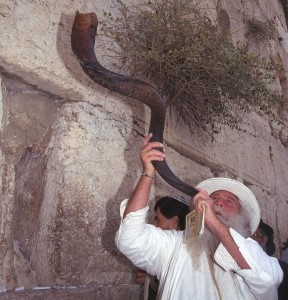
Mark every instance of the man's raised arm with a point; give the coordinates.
(140, 195)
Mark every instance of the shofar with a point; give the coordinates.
(83, 41)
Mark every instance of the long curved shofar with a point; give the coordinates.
(83, 41)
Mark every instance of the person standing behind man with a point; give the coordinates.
(285, 253)
(170, 214)
(264, 236)
(223, 263)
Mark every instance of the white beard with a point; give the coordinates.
(237, 221)
(207, 243)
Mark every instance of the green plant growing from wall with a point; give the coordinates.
(201, 74)
(262, 30)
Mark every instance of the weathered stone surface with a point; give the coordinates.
(186, 169)
(29, 116)
(256, 158)
(86, 178)
(69, 151)
(39, 51)
(120, 292)
(244, 155)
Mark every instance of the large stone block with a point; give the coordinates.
(60, 202)
(86, 178)
(117, 292)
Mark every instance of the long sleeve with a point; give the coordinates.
(265, 274)
(145, 245)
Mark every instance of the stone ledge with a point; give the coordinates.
(117, 292)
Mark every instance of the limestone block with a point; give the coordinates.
(6, 188)
(26, 117)
(7, 271)
(274, 209)
(39, 50)
(85, 180)
(244, 155)
(25, 275)
(29, 115)
(1, 102)
(119, 292)
(186, 169)
(61, 200)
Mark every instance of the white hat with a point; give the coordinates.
(246, 197)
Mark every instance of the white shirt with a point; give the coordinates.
(162, 253)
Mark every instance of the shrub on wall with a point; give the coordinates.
(200, 73)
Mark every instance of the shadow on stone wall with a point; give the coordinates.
(131, 157)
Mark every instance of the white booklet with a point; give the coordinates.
(195, 223)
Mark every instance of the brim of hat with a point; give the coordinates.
(246, 197)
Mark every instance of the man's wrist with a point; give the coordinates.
(148, 175)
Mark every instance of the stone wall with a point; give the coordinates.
(69, 152)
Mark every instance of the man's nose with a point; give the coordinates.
(220, 203)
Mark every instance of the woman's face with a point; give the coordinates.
(260, 237)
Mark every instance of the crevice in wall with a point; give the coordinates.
(26, 132)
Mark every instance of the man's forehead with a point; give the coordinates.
(223, 192)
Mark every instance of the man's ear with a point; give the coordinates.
(176, 222)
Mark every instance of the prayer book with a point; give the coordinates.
(195, 223)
